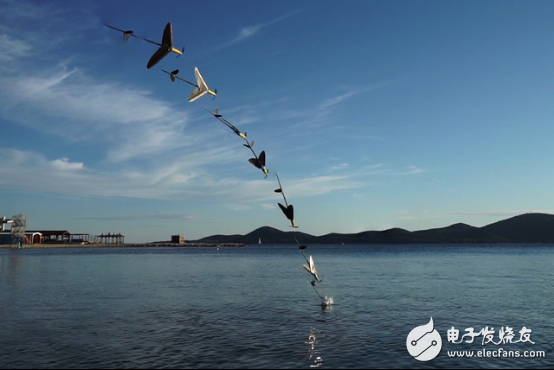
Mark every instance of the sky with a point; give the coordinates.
(374, 114)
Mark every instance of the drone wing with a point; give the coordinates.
(201, 87)
(255, 162)
(261, 157)
(289, 212)
(165, 47)
(172, 74)
(126, 33)
(216, 113)
(310, 267)
(157, 56)
(262, 162)
(167, 38)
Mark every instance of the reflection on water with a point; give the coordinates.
(314, 358)
(10, 267)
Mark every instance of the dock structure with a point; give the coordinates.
(18, 235)
(109, 238)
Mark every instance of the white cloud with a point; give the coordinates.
(63, 164)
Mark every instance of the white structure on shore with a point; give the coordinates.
(4, 221)
(16, 234)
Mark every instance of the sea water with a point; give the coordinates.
(254, 307)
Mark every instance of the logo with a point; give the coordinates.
(424, 342)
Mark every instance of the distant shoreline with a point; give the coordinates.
(125, 245)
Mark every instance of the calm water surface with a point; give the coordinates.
(254, 307)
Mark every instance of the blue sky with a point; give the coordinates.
(374, 114)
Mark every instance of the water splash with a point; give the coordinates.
(327, 301)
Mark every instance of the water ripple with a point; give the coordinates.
(194, 309)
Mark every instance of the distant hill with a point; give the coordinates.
(526, 228)
(459, 233)
(266, 233)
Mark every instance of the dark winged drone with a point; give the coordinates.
(165, 47)
(201, 86)
(287, 209)
(257, 161)
(216, 114)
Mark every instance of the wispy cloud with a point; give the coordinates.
(46, 25)
(130, 121)
(145, 146)
(176, 179)
(350, 92)
(501, 213)
(34, 88)
(138, 126)
(148, 217)
(484, 217)
(22, 10)
(338, 167)
(315, 119)
(337, 99)
(410, 171)
(238, 207)
(318, 185)
(375, 171)
(13, 49)
(127, 123)
(251, 31)
(389, 171)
